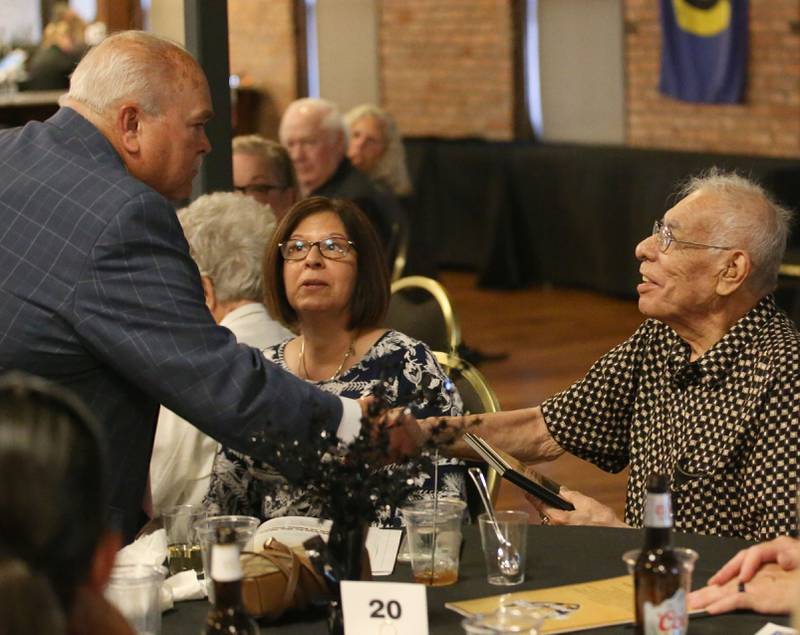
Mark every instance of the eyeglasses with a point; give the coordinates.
(664, 238)
(332, 248)
(257, 188)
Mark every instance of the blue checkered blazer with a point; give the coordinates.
(98, 292)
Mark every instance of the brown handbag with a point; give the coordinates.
(278, 579)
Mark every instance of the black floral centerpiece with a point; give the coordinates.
(353, 484)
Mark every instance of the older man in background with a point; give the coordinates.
(227, 235)
(99, 292)
(263, 170)
(706, 390)
(314, 133)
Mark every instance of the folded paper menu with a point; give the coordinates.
(569, 608)
(292, 531)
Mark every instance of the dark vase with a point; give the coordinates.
(351, 561)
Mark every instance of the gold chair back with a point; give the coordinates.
(421, 308)
(478, 397)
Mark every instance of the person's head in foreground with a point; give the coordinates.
(376, 148)
(325, 264)
(313, 132)
(150, 99)
(262, 169)
(227, 234)
(53, 502)
(712, 256)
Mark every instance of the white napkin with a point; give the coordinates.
(152, 550)
(181, 586)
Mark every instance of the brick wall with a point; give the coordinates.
(446, 67)
(767, 123)
(262, 51)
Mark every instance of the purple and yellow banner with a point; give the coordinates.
(704, 50)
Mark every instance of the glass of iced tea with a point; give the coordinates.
(183, 547)
(434, 539)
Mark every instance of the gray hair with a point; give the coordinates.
(331, 119)
(129, 65)
(227, 235)
(749, 218)
(391, 168)
(272, 153)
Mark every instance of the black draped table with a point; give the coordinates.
(524, 213)
(556, 556)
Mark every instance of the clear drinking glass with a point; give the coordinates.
(243, 526)
(183, 547)
(434, 539)
(514, 526)
(135, 589)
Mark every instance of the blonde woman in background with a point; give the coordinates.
(376, 148)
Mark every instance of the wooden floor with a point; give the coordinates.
(552, 337)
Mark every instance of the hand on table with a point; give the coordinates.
(588, 511)
(770, 590)
(770, 575)
(783, 550)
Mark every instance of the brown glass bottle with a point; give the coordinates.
(660, 598)
(227, 615)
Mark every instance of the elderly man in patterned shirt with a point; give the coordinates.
(706, 390)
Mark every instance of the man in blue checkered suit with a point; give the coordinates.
(97, 288)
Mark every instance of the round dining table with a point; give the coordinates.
(556, 556)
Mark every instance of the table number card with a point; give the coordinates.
(384, 608)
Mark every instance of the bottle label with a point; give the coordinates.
(667, 618)
(658, 511)
(225, 564)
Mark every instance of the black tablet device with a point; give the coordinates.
(512, 470)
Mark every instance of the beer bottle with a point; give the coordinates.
(227, 615)
(657, 575)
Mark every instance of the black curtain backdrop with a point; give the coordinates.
(521, 213)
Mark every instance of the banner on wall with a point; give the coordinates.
(704, 50)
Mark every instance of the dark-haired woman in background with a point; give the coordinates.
(326, 279)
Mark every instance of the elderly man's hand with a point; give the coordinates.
(771, 590)
(406, 436)
(587, 511)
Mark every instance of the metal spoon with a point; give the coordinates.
(507, 556)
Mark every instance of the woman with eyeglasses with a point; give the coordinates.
(325, 278)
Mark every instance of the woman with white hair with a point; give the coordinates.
(376, 148)
(227, 234)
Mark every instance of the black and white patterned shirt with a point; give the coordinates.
(726, 427)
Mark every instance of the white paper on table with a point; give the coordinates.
(382, 545)
(775, 629)
(292, 531)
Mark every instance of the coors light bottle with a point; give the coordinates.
(658, 588)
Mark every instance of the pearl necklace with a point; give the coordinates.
(347, 355)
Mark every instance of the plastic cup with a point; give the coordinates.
(686, 557)
(183, 547)
(434, 539)
(514, 526)
(242, 526)
(135, 589)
